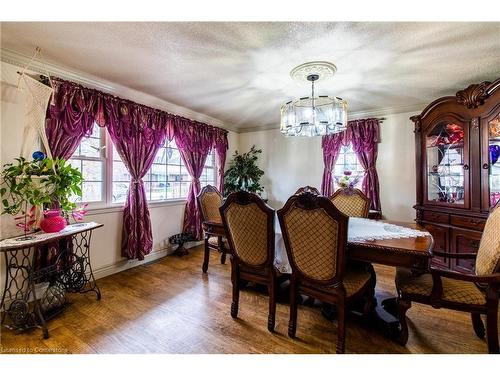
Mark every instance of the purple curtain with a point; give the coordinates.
(137, 132)
(220, 146)
(365, 135)
(194, 141)
(70, 117)
(331, 148)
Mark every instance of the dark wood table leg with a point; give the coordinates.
(383, 316)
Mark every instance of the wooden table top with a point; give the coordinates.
(406, 252)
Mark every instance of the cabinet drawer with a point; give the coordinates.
(468, 222)
(441, 243)
(464, 241)
(436, 217)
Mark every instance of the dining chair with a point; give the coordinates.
(209, 201)
(249, 224)
(307, 188)
(351, 202)
(315, 236)
(476, 293)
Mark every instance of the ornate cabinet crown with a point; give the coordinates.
(457, 145)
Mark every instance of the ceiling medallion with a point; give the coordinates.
(324, 69)
(312, 116)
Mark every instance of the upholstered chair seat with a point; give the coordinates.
(457, 291)
(351, 202)
(477, 293)
(209, 201)
(355, 281)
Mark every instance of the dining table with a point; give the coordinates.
(389, 243)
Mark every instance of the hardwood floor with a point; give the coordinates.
(169, 306)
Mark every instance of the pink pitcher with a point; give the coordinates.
(52, 221)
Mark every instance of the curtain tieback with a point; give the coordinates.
(136, 181)
(369, 169)
(221, 170)
(195, 179)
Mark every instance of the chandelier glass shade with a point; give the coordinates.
(313, 115)
(317, 116)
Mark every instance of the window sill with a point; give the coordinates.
(98, 210)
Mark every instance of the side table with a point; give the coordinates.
(69, 272)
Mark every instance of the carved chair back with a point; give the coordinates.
(209, 201)
(488, 255)
(351, 202)
(249, 224)
(315, 236)
(307, 189)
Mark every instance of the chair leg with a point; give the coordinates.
(222, 250)
(492, 326)
(272, 305)
(341, 313)
(370, 302)
(206, 256)
(477, 324)
(292, 324)
(403, 306)
(235, 278)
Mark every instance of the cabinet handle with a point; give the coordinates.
(475, 244)
(486, 166)
(466, 167)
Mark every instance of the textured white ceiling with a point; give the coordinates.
(238, 72)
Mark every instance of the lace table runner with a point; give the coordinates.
(38, 237)
(359, 230)
(369, 230)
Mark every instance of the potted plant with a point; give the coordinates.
(42, 183)
(243, 173)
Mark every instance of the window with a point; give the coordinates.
(348, 161)
(106, 179)
(167, 178)
(121, 179)
(89, 159)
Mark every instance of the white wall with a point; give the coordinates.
(166, 217)
(290, 163)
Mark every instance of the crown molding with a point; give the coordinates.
(91, 81)
(416, 108)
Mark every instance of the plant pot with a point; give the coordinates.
(52, 221)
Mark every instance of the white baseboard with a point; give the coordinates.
(126, 264)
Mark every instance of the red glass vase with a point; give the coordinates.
(52, 221)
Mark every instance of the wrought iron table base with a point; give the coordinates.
(70, 272)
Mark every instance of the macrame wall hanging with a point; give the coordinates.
(37, 98)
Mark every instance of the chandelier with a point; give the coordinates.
(312, 116)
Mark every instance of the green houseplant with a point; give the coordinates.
(243, 173)
(40, 183)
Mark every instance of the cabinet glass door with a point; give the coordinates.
(447, 169)
(494, 160)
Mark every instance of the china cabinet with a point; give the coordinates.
(457, 144)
